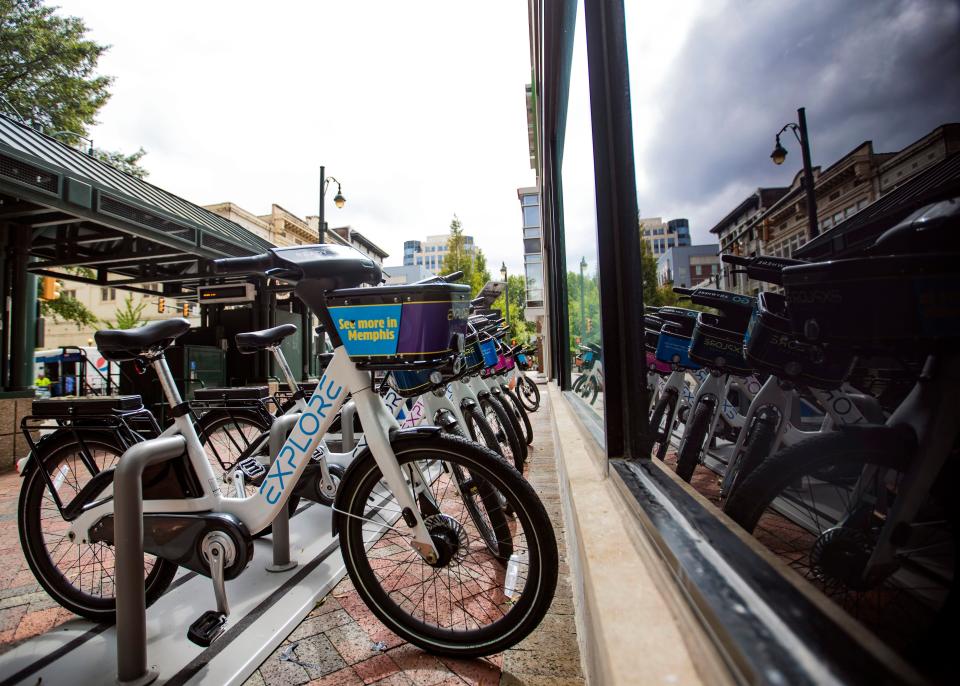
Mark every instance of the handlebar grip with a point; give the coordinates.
(452, 276)
(735, 259)
(255, 264)
(680, 290)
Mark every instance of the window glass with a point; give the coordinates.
(531, 215)
(531, 233)
(580, 234)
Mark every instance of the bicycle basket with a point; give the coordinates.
(392, 326)
(488, 348)
(414, 382)
(712, 345)
(522, 361)
(504, 364)
(772, 347)
(672, 347)
(656, 365)
(894, 299)
(651, 332)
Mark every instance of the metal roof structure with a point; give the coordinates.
(86, 213)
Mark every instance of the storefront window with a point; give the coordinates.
(580, 235)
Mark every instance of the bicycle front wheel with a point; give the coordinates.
(469, 603)
(529, 393)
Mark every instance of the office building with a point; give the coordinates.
(661, 235)
(429, 253)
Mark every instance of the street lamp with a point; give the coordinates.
(779, 154)
(338, 199)
(583, 313)
(506, 289)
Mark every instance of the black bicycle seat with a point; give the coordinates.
(127, 344)
(253, 341)
(325, 266)
(934, 228)
(735, 307)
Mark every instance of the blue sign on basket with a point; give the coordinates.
(368, 329)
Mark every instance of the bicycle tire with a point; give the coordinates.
(759, 444)
(837, 459)
(521, 413)
(495, 527)
(520, 613)
(512, 415)
(662, 411)
(692, 443)
(529, 393)
(506, 435)
(594, 390)
(97, 608)
(479, 428)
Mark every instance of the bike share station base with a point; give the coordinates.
(281, 586)
(264, 608)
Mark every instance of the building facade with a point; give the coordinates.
(661, 235)
(429, 253)
(688, 265)
(773, 221)
(532, 251)
(405, 273)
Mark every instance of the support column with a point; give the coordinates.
(23, 315)
(306, 337)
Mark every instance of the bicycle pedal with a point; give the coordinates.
(252, 469)
(207, 628)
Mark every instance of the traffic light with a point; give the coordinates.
(589, 324)
(161, 304)
(50, 288)
(186, 309)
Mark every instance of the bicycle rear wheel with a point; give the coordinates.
(820, 506)
(80, 577)
(469, 603)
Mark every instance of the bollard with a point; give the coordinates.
(128, 551)
(279, 430)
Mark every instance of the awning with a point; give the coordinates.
(87, 214)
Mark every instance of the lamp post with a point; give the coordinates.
(779, 154)
(71, 133)
(338, 199)
(506, 289)
(583, 311)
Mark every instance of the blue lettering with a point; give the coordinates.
(330, 386)
(302, 448)
(303, 424)
(279, 469)
(275, 498)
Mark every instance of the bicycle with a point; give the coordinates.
(866, 513)
(391, 495)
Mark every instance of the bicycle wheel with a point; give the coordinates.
(469, 603)
(479, 429)
(79, 577)
(511, 411)
(483, 504)
(820, 506)
(694, 436)
(228, 437)
(520, 413)
(661, 422)
(511, 447)
(529, 393)
(758, 447)
(578, 382)
(593, 390)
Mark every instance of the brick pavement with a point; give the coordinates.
(341, 641)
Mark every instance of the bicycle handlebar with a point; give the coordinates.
(255, 264)
(736, 259)
(444, 278)
(680, 290)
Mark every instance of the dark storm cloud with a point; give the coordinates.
(885, 70)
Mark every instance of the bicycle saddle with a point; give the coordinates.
(253, 341)
(119, 345)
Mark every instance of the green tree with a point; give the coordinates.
(648, 271)
(458, 258)
(520, 328)
(481, 275)
(128, 317)
(125, 163)
(48, 75)
(68, 309)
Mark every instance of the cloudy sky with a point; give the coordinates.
(418, 107)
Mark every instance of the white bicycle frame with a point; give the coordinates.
(257, 511)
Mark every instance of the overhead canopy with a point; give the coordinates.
(86, 213)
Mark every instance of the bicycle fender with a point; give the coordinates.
(346, 483)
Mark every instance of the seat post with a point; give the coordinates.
(284, 367)
(167, 383)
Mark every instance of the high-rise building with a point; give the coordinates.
(661, 235)
(429, 253)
